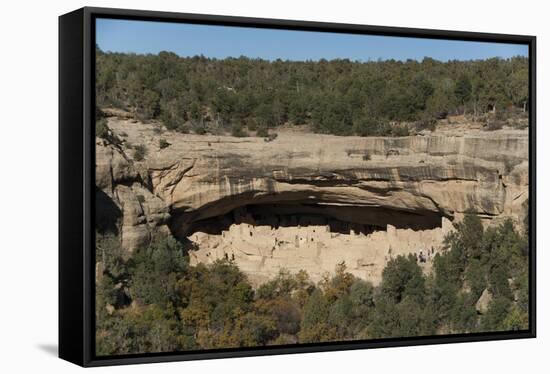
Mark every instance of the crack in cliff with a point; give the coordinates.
(175, 179)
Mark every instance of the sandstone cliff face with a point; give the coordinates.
(206, 176)
(409, 182)
(124, 203)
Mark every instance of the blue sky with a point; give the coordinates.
(223, 41)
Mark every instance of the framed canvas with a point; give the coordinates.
(236, 186)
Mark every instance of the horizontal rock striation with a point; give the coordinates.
(486, 172)
(409, 183)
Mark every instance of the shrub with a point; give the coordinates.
(384, 129)
(378, 127)
(163, 143)
(502, 115)
(366, 156)
(494, 124)
(251, 125)
(200, 130)
(498, 310)
(148, 105)
(516, 320)
(169, 121)
(400, 130)
(139, 152)
(238, 131)
(366, 127)
(111, 254)
(101, 129)
(184, 129)
(426, 123)
(271, 137)
(262, 132)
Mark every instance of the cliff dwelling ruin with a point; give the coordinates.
(264, 239)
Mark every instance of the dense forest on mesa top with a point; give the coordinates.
(338, 97)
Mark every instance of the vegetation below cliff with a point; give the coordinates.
(157, 302)
(339, 97)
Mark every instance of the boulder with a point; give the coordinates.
(482, 304)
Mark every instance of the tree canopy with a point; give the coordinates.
(339, 97)
(156, 301)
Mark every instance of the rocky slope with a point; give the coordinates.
(409, 182)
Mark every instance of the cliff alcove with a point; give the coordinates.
(310, 201)
(337, 218)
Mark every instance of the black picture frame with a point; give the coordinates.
(77, 183)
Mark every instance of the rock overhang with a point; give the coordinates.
(361, 181)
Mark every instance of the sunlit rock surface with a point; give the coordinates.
(395, 190)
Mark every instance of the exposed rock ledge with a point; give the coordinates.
(404, 182)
